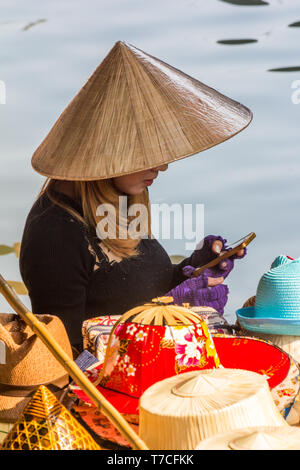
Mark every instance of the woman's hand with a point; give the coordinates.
(217, 274)
(217, 246)
(212, 246)
(205, 290)
(217, 249)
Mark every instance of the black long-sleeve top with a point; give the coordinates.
(68, 275)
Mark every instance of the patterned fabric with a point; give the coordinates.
(96, 331)
(140, 355)
(282, 372)
(284, 381)
(86, 360)
(284, 394)
(102, 426)
(216, 323)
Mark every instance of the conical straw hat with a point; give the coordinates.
(256, 438)
(136, 112)
(179, 412)
(46, 424)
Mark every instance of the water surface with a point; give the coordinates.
(242, 48)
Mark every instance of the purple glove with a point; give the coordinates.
(205, 255)
(195, 290)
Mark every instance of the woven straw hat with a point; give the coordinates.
(139, 355)
(281, 372)
(135, 112)
(28, 363)
(277, 304)
(158, 340)
(255, 438)
(179, 412)
(46, 424)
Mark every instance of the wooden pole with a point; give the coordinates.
(71, 367)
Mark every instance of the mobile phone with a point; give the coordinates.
(231, 250)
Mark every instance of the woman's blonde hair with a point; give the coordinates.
(90, 194)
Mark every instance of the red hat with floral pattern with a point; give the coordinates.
(150, 343)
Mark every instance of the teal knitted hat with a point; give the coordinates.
(277, 305)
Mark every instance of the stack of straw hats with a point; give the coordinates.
(28, 363)
(167, 373)
(158, 340)
(179, 412)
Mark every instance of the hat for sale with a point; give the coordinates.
(277, 302)
(158, 340)
(134, 113)
(149, 343)
(27, 363)
(180, 411)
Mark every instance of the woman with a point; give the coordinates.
(70, 273)
(69, 270)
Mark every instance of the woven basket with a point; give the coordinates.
(46, 424)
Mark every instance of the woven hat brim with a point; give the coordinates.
(277, 326)
(12, 407)
(76, 177)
